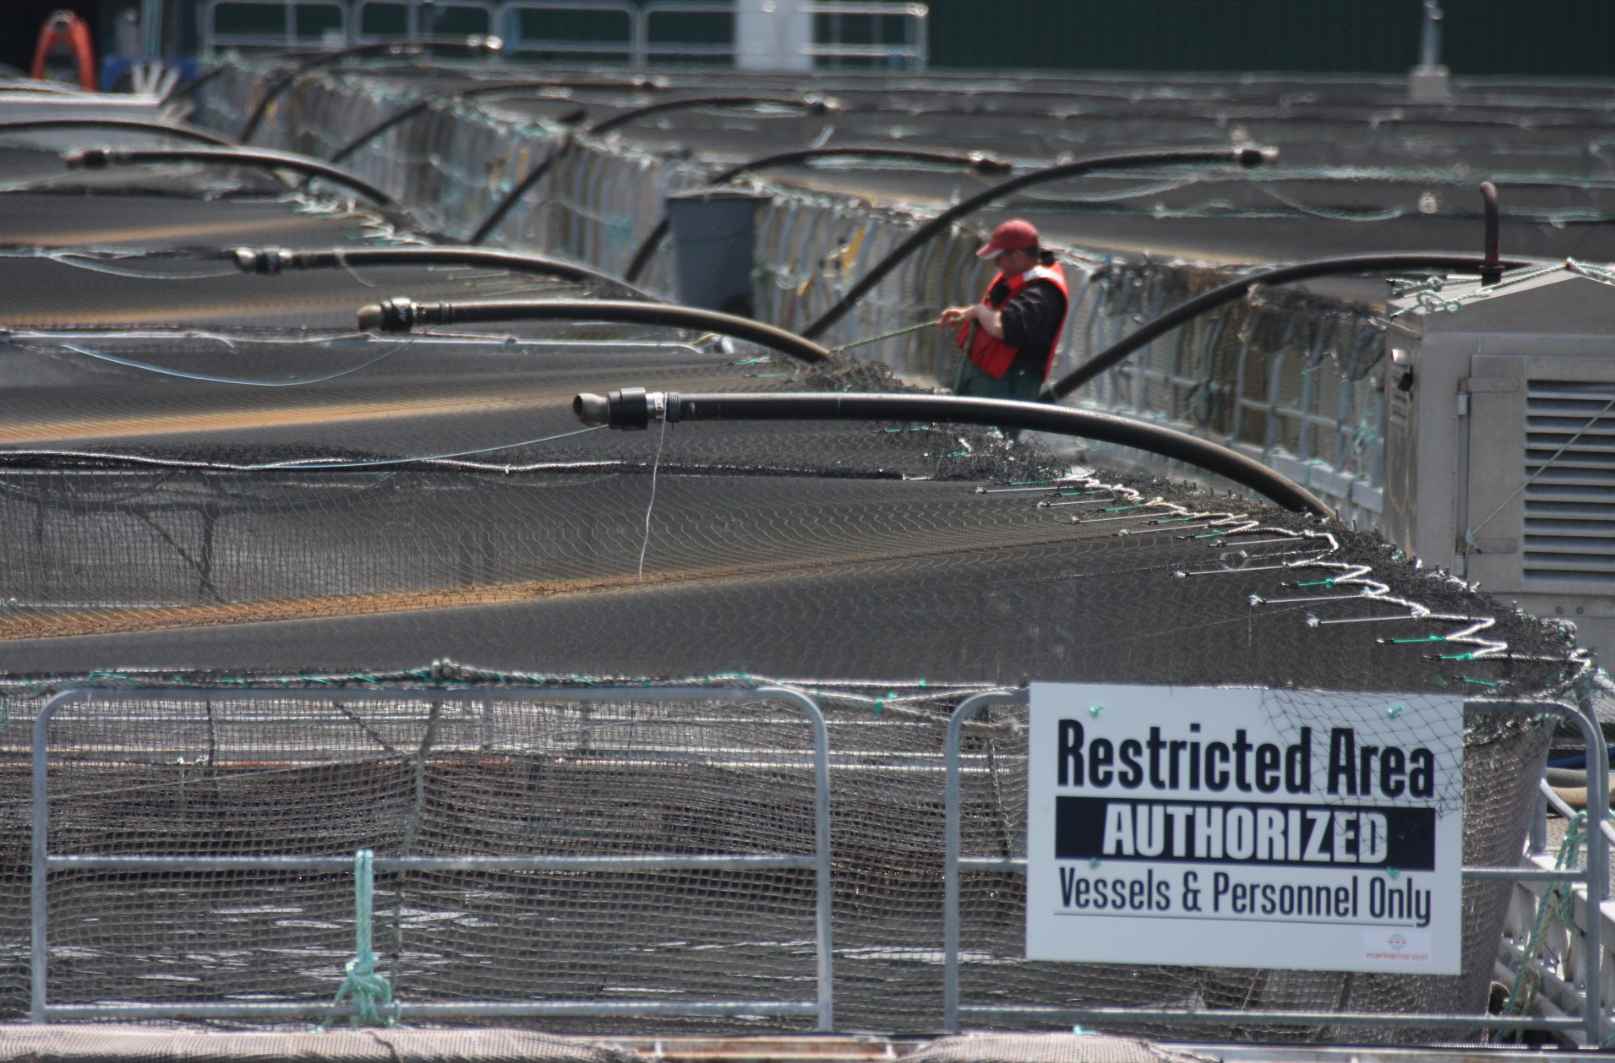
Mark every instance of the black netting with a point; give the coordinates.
(209, 480)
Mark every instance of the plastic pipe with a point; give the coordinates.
(401, 315)
(275, 259)
(1117, 352)
(199, 136)
(100, 158)
(1243, 156)
(633, 408)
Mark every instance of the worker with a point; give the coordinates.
(1010, 337)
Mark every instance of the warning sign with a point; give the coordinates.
(1245, 828)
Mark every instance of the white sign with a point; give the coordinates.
(1291, 829)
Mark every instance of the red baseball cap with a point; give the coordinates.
(1016, 234)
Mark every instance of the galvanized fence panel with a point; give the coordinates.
(599, 734)
(619, 19)
(1578, 985)
(298, 23)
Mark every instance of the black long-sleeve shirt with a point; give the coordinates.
(1030, 319)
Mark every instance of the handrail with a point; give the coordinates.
(1595, 875)
(212, 38)
(821, 1008)
(647, 49)
(510, 18)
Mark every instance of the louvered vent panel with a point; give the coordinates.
(1570, 503)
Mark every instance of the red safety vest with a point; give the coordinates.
(994, 356)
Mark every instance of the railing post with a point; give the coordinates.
(39, 915)
(1430, 35)
(1597, 863)
(952, 845)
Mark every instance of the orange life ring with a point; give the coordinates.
(66, 33)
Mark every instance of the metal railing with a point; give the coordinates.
(632, 37)
(408, 13)
(912, 51)
(649, 48)
(1592, 883)
(290, 12)
(624, 46)
(44, 862)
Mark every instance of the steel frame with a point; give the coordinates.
(821, 1008)
(1594, 878)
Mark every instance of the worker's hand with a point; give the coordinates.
(954, 315)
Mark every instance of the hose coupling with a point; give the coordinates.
(984, 163)
(389, 315)
(1252, 155)
(87, 158)
(264, 260)
(632, 409)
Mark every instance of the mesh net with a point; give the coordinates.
(293, 777)
(887, 567)
(1502, 759)
(282, 503)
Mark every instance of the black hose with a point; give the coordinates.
(490, 88)
(807, 104)
(975, 160)
(274, 260)
(1244, 156)
(199, 136)
(1235, 289)
(179, 92)
(486, 227)
(288, 79)
(401, 315)
(99, 158)
(536, 174)
(1492, 271)
(629, 409)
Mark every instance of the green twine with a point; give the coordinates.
(1555, 905)
(1327, 582)
(1417, 641)
(369, 991)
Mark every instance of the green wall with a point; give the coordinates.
(1543, 38)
